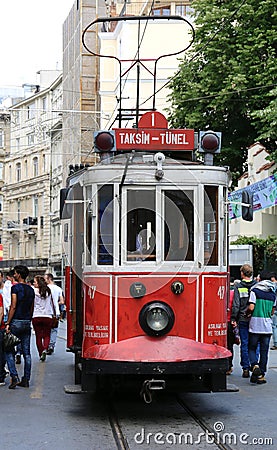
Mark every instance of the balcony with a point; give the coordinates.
(30, 221)
(13, 225)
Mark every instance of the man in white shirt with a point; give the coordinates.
(58, 299)
(7, 292)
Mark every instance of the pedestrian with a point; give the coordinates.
(2, 354)
(42, 315)
(19, 323)
(273, 277)
(58, 298)
(240, 304)
(262, 300)
(9, 282)
(232, 332)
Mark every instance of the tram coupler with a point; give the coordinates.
(151, 385)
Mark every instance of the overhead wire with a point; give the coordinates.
(197, 54)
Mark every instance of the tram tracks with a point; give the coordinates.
(206, 432)
(207, 429)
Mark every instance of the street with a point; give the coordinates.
(44, 417)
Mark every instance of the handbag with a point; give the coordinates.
(10, 341)
(55, 320)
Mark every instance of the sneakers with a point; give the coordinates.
(43, 356)
(17, 359)
(245, 373)
(23, 383)
(255, 374)
(274, 347)
(229, 371)
(2, 382)
(14, 382)
(50, 350)
(261, 379)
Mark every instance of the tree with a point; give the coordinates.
(226, 82)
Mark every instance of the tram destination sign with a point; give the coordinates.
(154, 139)
(153, 134)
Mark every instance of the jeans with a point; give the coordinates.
(274, 328)
(263, 340)
(42, 327)
(244, 356)
(53, 337)
(2, 358)
(21, 329)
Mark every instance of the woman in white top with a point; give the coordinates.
(43, 315)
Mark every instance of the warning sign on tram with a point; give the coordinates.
(153, 134)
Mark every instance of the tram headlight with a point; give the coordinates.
(156, 318)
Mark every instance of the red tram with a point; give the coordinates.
(146, 287)
(145, 232)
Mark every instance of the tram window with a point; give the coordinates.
(141, 225)
(210, 225)
(105, 225)
(178, 226)
(88, 227)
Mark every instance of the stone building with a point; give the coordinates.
(31, 166)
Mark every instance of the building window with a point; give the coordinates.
(184, 10)
(1, 203)
(18, 172)
(16, 118)
(1, 138)
(26, 168)
(1, 171)
(18, 210)
(17, 144)
(162, 11)
(44, 102)
(35, 167)
(31, 111)
(10, 173)
(44, 163)
(35, 205)
(31, 139)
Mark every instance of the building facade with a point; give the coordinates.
(31, 165)
(4, 150)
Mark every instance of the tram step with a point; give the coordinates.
(232, 388)
(73, 389)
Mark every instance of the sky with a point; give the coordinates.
(30, 38)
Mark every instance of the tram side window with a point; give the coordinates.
(141, 225)
(211, 225)
(105, 225)
(178, 226)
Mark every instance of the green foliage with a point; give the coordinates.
(264, 251)
(226, 82)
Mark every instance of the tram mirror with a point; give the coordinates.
(247, 206)
(65, 210)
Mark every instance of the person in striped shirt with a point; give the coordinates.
(262, 302)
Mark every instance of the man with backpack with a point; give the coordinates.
(238, 317)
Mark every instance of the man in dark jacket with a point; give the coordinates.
(239, 307)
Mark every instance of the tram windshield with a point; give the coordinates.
(153, 225)
(141, 225)
(178, 225)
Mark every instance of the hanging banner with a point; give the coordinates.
(264, 195)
